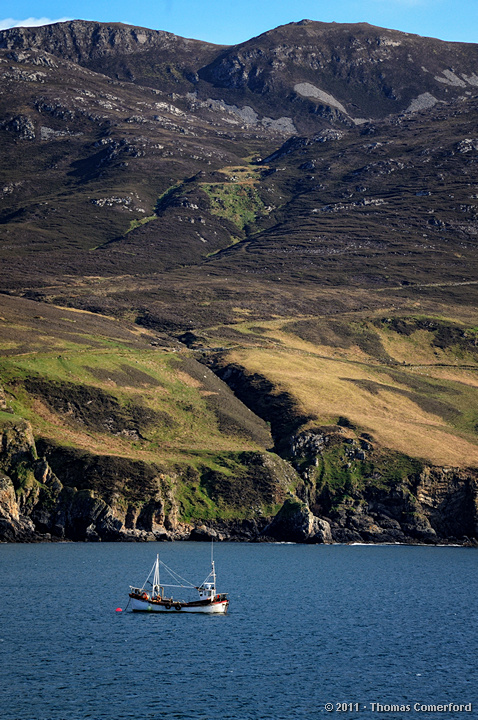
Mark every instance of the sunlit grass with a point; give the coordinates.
(329, 388)
(154, 380)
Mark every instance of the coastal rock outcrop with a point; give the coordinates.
(14, 527)
(295, 523)
(436, 506)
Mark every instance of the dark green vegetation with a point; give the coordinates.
(211, 253)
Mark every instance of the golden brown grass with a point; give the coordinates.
(325, 387)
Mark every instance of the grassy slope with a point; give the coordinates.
(91, 384)
(411, 394)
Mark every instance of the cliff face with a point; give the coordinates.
(91, 497)
(434, 506)
(448, 497)
(367, 494)
(440, 505)
(123, 52)
(17, 458)
(35, 505)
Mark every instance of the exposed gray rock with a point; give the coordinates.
(418, 526)
(14, 527)
(246, 114)
(282, 124)
(295, 522)
(320, 531)
(308, 90)
(47, 133)
(467, 145)
(16, 74)
(33, 58)
(422, 102)
(20, 125)
(450, 79)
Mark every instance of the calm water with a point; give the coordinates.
(307, 625)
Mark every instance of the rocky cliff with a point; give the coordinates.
(367, 494)
(76, 495)
(107, 498)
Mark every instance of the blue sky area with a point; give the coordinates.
(238, 20)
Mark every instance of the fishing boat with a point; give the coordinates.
(151, 597)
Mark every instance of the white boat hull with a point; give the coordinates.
(214, 607)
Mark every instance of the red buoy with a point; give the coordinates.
(119, 610)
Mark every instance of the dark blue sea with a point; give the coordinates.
(361, 628)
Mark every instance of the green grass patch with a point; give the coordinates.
(118, 400)
(165, 196)
(23, 478)
(239, 203)
(195, 504)
(343, 475)
(9, 418)
(136, 223)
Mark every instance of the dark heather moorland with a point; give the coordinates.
(238, 286)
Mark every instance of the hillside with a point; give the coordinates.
(235, 280)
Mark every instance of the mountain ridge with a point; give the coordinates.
(338, 52)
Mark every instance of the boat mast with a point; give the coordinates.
(156, 576)
(213, 571)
